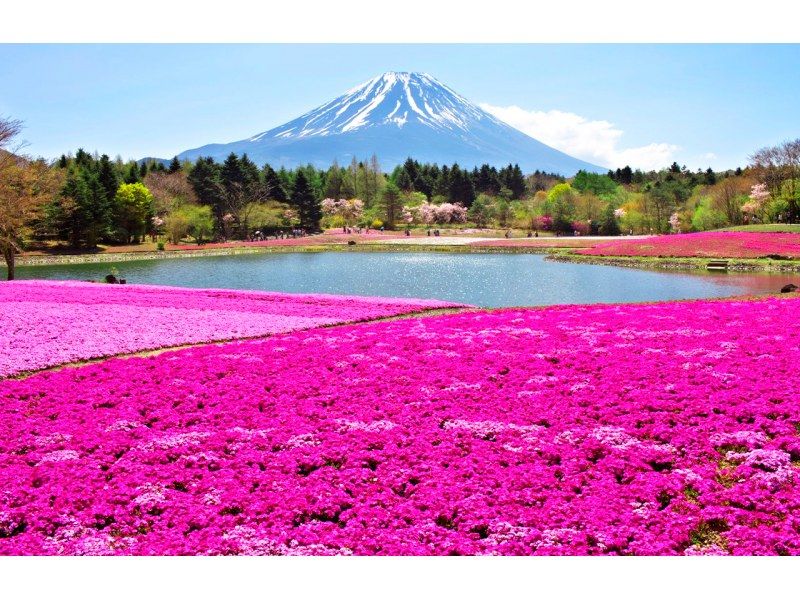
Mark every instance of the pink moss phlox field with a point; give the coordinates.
(48, 323)
(538, 242)
(661, 429)
(707, 244)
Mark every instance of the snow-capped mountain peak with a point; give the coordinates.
(388, 99)
(393, 116)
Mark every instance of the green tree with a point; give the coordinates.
(480, 212)
(512, 178)
(461, 189)
(108, 176)
(85, 210)
(599, 184)
(206, 182)
(131, 175)
(561, 207)
(390, 198)
(273, 184)
(176, 225)
(306, 202)
(174, 165)
(133, 206)
(609, 225)
(705, 217)
(200, 222)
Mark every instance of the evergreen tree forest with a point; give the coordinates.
(105, 201)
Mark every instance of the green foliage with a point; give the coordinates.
(705, 217)
(307, 202)
(480, 212)
(174, 165)
(266, 216)
(599, 184)
(199, 221)
(609, 225)
(392, 206)
(82, 211)
(133, 207)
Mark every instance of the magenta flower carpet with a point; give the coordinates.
(49, 323)
(661, 429)
(712, 244)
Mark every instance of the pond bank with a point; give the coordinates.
(133, 256)
(669, 263)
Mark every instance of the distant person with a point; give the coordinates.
(429, 232)
(408, 233)
(508, 234)
(536, 234)
(530, 234)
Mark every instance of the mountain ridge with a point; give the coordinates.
(396, 115)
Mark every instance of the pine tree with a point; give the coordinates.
(174, 165)
(273, 184)
(205, 180)
(108, 177)
(404, 181)
(461, 189)
(232, 175)
(132, 175)
(391, 204)
(412, 168)
(333, 182)
(308, 206)
(442, 184)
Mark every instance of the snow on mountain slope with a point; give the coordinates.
(396, 115)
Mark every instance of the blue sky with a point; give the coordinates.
(698, 104)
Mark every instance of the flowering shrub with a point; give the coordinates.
(543, 223)
(707, 244)
(349, 209)
(429, 213)
(48, 323)
(624, 429)
(582, 228)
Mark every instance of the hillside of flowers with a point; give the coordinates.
(707, 244)
(660, 429)
(48, 323)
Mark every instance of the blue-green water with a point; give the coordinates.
(489, 280)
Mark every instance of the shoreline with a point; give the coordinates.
(679, 263)
(133, 256)
(557, 254)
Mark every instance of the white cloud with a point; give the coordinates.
(595, 141)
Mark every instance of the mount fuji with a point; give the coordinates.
(394, 116)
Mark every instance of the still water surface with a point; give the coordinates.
(487, 280)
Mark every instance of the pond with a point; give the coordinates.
(487, 280)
